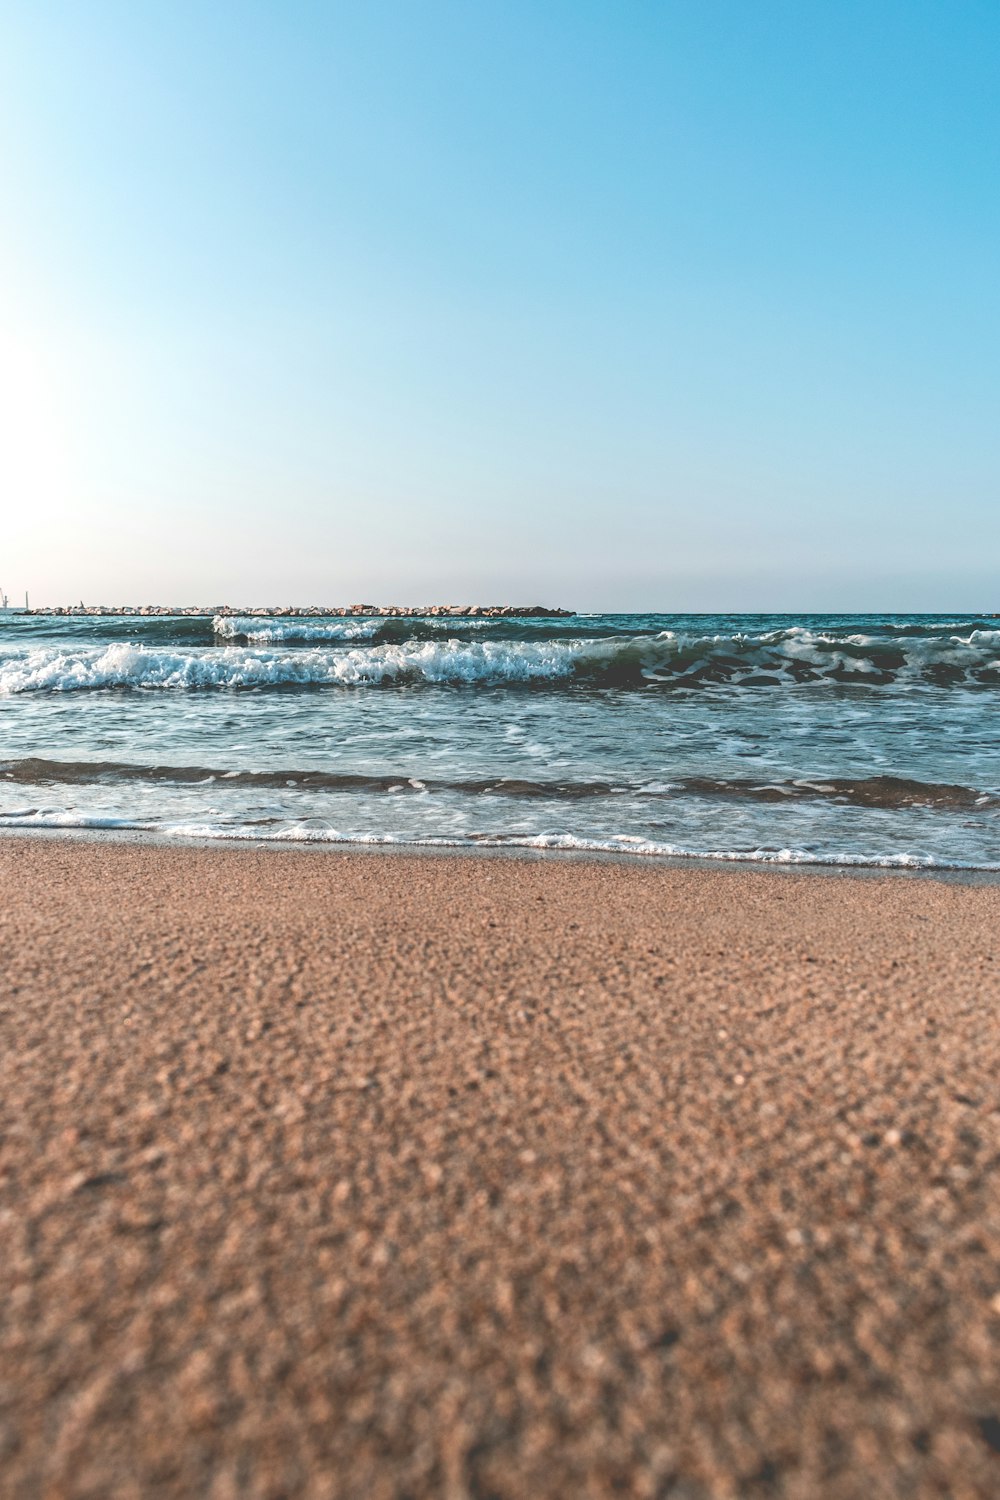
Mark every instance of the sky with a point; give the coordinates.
(626, 305)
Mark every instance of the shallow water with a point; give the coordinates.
(832, 739)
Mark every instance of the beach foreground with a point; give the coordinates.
(343, 1174)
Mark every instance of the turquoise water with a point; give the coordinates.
(830, 739)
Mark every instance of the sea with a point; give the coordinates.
(863, 740)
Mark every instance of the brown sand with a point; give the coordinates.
(348, 1175)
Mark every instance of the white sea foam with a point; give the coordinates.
(264, 631)
(791, 656)
(123, 665)
(620, 844)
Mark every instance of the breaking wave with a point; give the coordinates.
(383, 629)
(264, 631)
(788, 657)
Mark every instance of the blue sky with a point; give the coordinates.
(633, 305)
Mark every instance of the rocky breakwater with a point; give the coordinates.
(404, 611)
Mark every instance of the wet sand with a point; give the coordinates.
(337, 1175)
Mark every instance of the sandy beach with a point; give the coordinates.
(349, 1175)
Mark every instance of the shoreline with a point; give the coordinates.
(828, 869)
(437, 1176)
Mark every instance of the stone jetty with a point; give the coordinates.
(317, 611)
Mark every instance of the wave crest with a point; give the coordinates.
(788, 657)
(264, 631)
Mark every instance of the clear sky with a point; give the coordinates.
(634, 304)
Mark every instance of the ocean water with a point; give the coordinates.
(869, 740)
